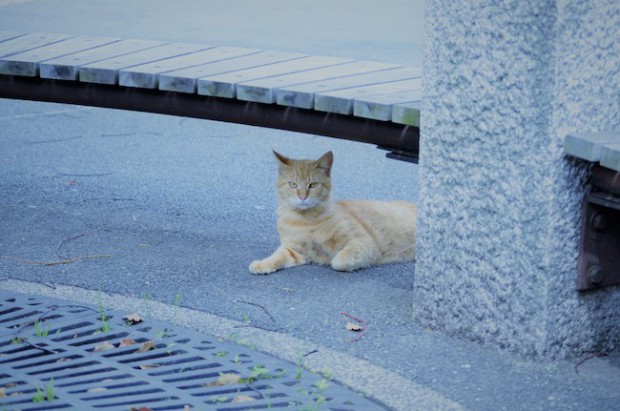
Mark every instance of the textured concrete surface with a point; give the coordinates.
(499, 218)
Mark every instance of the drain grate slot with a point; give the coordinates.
(86, 365)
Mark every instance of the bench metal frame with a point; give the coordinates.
(402, 140)
(599, 261)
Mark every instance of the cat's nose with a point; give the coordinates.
(302, 196)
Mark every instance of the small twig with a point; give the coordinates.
(37, 347)
(60, 140)
(259, 306)
(83, 175)
(40, 319)
(309, 353)
(273, 330)
(363, 324)
(66, 240)
(50, 263)
(256, 390)
(589, 357)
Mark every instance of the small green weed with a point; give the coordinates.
(178, 299)
(105, 325)
(47, 395)
(146, 299)
(40, 330)
(317, 394)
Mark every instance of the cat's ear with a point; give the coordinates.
(325, 162)
(283, 162)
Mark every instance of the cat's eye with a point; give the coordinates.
(292, 184)
(314, 185)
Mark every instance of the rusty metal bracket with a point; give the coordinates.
(599, 252)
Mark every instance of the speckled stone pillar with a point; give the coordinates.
(499, 222)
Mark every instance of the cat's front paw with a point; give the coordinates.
(260, 268)
(347, 260)
(339, 265)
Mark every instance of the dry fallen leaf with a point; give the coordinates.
(147, 346)
(243, 398)
(126, 342)
(2, 392)
(354, 327)
(224, 379)
(133, 319)
(103, 346)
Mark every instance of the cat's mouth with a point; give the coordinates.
(304, 205)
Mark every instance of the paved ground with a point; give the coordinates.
(182, 206)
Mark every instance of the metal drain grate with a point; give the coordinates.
(58, 356)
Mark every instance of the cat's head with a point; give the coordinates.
(304, 184)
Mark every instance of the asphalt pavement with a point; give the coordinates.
(172, 211)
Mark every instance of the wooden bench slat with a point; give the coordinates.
(303, 95)
(8, 35)
(147, 75)
(67, 67)
(379, 107)
(407, 113)
(28, 42)
(588, 146)
(106, 71)
(27, 63)
(184, 81)
(291, 91)
(610, 156)
(263, 90)
(224, 85)
(341, 101)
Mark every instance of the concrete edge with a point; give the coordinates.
(375, 382)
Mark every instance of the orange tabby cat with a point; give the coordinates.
(345, 234)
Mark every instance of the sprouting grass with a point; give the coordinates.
(300, 366)
(40, 330)
(146, 299)
(47, 395)
(105, 325)
(317, 394)
(178, 299)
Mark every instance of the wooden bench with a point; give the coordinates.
(365, 101)
(599, 256)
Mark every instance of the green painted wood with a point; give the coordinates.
(342, 101)
(303, 95)
(147, 75)
(407, 113)
(28, 42)
(225, 85)
(184, 81)
(106, 71)
(379, 107)
(588, 146)
(263, 90)
(27, 63)
(67, 67)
